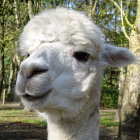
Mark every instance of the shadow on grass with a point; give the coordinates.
(10, 107)
(26, 131)
(21, 131)
(108, 133)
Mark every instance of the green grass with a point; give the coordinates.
(36, 122)
(18, 115)
(109, 122)
(107, 118)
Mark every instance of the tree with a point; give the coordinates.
(130, 111)
(30, 10)
(122, 78)
(1, 45)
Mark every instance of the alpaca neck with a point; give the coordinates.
(83, 127)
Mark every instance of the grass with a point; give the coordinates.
(19, 115)
(109, 122)
(107, 118)
(36, 122)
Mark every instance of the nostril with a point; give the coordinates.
(30, 68)
(36, 72)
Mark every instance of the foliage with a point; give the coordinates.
(110, 92)
(109, 97)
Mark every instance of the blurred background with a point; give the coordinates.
(120, 23)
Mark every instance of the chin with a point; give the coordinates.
(35, 104)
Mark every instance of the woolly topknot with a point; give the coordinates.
(60, 25)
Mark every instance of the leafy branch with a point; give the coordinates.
(125, 33)
(123, 14)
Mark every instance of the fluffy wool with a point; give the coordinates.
(62, 77)
(60, 25)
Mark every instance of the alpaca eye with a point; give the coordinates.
(81, 56)
(28, 55)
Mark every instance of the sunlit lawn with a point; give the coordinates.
(19, 115)
(107, 118)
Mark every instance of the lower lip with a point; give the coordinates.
(34, 98)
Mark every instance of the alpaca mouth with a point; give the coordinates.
(33, 98)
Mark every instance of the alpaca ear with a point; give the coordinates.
(116, 56)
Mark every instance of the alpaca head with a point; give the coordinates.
(66, 63)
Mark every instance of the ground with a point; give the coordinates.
(21, 131)
(18, 124)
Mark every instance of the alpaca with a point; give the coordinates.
(62, 76)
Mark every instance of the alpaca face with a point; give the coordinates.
(67, 58)
(57, 76)
(64, 53)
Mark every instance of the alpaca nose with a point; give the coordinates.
(36, 72)
(29, 69)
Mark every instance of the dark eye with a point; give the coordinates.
(28, 55)
(81, 56)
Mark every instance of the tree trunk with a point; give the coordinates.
(3, 99)
(1, 49)
(16, 13)
(92, 7)
(1, 68)
(30, 9)
(130, 111)
(121, 90)
(11, 77)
